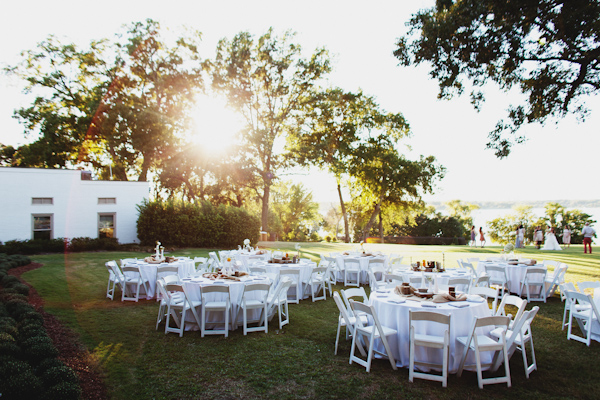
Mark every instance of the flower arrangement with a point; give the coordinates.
(298, 247)
(246, 243)
(509, 248)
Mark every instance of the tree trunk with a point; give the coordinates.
(381, 225)
(265, 208)
(371, 221)
(344, 213)
(145, 166)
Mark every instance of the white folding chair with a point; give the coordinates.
(164, 270)
(431, 341)
(294, 276)
(469, 267)
(216, 263)
(351, 271)
(346, 319)
(316, 283)
(564, 288)
(461, 284)
(554, 280)
(356, 294)
(588, 285)
(478, 343)
(415, 281)
(178, 310)
(395, 262)
(513, 301)
(115, 279)
(582, 309)
(257, 270)
(497, 276)
(536, 277)
(134, 282)
(481, 281)
(278, 300)
(369, 334)
(250, 302)
(201, 264)
(517, 339)
(165, 297)
(220, 305)
(338, 270)
(487, 293)
(377, 265)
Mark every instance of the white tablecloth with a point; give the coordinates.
(441, 277)
(364, 265)
(185, 266)
(236, 290)
(305, 269)
(515, 275)
(396, 316)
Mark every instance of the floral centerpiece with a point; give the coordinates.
(247, 244)
(509, 251)
(298, 247)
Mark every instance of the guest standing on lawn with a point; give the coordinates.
(588, 233)
(473, 242)
(566, 239)
(481, 237)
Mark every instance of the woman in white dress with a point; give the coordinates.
(551, 243)
(567, 236)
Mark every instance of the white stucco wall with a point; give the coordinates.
(75, 205)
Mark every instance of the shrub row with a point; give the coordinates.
(176, 223)
(60, 245)
(29, 367)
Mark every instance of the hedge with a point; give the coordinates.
(425, 240)
(59, 245)
(181, 224)
(29, 367)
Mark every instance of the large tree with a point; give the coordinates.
(333, 128)
(269, 81)
(550, 49)
(387, 177)
(117, 106)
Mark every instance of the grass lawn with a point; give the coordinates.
(297, 361)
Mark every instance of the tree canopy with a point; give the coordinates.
(549, 49)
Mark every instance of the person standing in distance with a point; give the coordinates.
(473, 242)
(588, 233)
(481, 237)
(566, 236)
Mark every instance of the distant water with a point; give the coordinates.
(483, 215)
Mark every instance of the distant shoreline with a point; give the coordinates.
(533, 203)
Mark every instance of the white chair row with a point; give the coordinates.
(175, 303)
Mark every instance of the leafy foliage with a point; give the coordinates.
(549, 49)
(269, 82)
(177, 223)
(296, 210)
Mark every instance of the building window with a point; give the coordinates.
(106, 226)
(42, 200)
(107, 200)
(42, 226)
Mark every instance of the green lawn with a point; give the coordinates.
(298, 361)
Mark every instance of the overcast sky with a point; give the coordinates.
(558, 162)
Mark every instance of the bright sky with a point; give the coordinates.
(558, 162)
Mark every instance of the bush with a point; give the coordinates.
(54, 375)
(47, 364)
(63, 391)
(19, 382)
(195, 225)
(10, 349)
(39, 351)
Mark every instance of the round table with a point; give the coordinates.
(514, 273)
(396, 316)
(304, 267)
(185, 268)
(193, 287)
(364, 264)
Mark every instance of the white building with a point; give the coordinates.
(57, 203)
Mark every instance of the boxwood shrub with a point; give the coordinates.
(182, 224)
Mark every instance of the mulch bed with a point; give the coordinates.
(72, 352)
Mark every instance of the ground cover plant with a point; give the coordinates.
(297, 361)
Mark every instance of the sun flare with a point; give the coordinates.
(216, 127)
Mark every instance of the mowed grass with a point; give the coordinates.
(296, 362)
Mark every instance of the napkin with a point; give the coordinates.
(398, 301)
(475, 298)
(459, 305)
(444, 298)
(428, 305)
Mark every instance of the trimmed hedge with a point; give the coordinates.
(60, 245)
(29, 368)
(176, 223)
